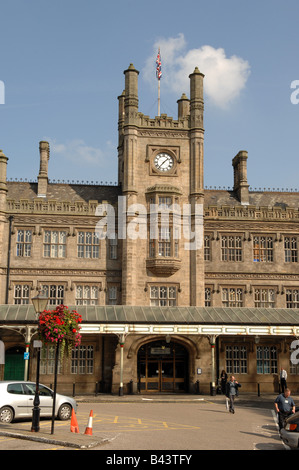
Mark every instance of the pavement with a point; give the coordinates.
(85, 441)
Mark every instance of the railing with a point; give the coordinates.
(59, 181)
(81, 388)
(251, 189)
(254, 387)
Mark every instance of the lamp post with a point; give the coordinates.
(39, 303)
(121, 343)
(213, 383)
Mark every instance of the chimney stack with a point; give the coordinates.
(3, 185)
(3, 167)
(196, 99)
(183, 107)
(240, 177)
(44, 150)
(131, 95)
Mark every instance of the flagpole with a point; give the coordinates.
(158, 75)
(158, 97)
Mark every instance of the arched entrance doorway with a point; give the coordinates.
(14, 364)
(162, 367)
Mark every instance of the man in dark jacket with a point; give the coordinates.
(285, 406)
(231, 392)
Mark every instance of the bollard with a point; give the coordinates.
(197, 387)
(212, 389)
(258, 390)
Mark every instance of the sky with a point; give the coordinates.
(61, 72)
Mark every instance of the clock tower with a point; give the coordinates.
(160, 167)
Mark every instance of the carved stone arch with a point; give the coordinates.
(191, 345)
(147, 383)
(14, 346)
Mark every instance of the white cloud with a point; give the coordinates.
(94, 163)
(78, 152)
(225, 77)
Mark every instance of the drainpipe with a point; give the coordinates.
(10, 218)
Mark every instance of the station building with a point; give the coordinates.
(183, 282)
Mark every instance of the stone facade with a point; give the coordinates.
(247, 255)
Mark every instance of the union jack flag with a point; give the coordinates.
(158, 66)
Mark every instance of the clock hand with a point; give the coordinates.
(163, 162)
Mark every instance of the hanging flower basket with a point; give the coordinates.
(60, 326)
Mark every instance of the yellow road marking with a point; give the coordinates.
(147, 428)
(113, 423)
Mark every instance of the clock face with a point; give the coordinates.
(163, 162)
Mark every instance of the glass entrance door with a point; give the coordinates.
(153, 376)
(167, 376)
(162, 368)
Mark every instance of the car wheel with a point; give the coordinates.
(6, 414)
(65, 412)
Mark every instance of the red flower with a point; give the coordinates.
(60, 325)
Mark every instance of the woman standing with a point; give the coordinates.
(223, 380)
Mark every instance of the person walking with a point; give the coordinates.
(285, 406)
(283, 379)
(231, 392)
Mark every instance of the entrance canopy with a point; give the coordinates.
(124, 319)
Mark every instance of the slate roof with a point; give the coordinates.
(256, 198)
(95, 192)
(13, 314)
(64, 192)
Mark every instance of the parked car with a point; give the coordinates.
(290, 432)
(17, 397)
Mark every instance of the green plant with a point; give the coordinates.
(60, 326)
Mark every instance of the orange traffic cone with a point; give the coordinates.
(88, 429)
(74, 423)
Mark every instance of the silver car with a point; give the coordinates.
(290, 432)
(17, 397)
